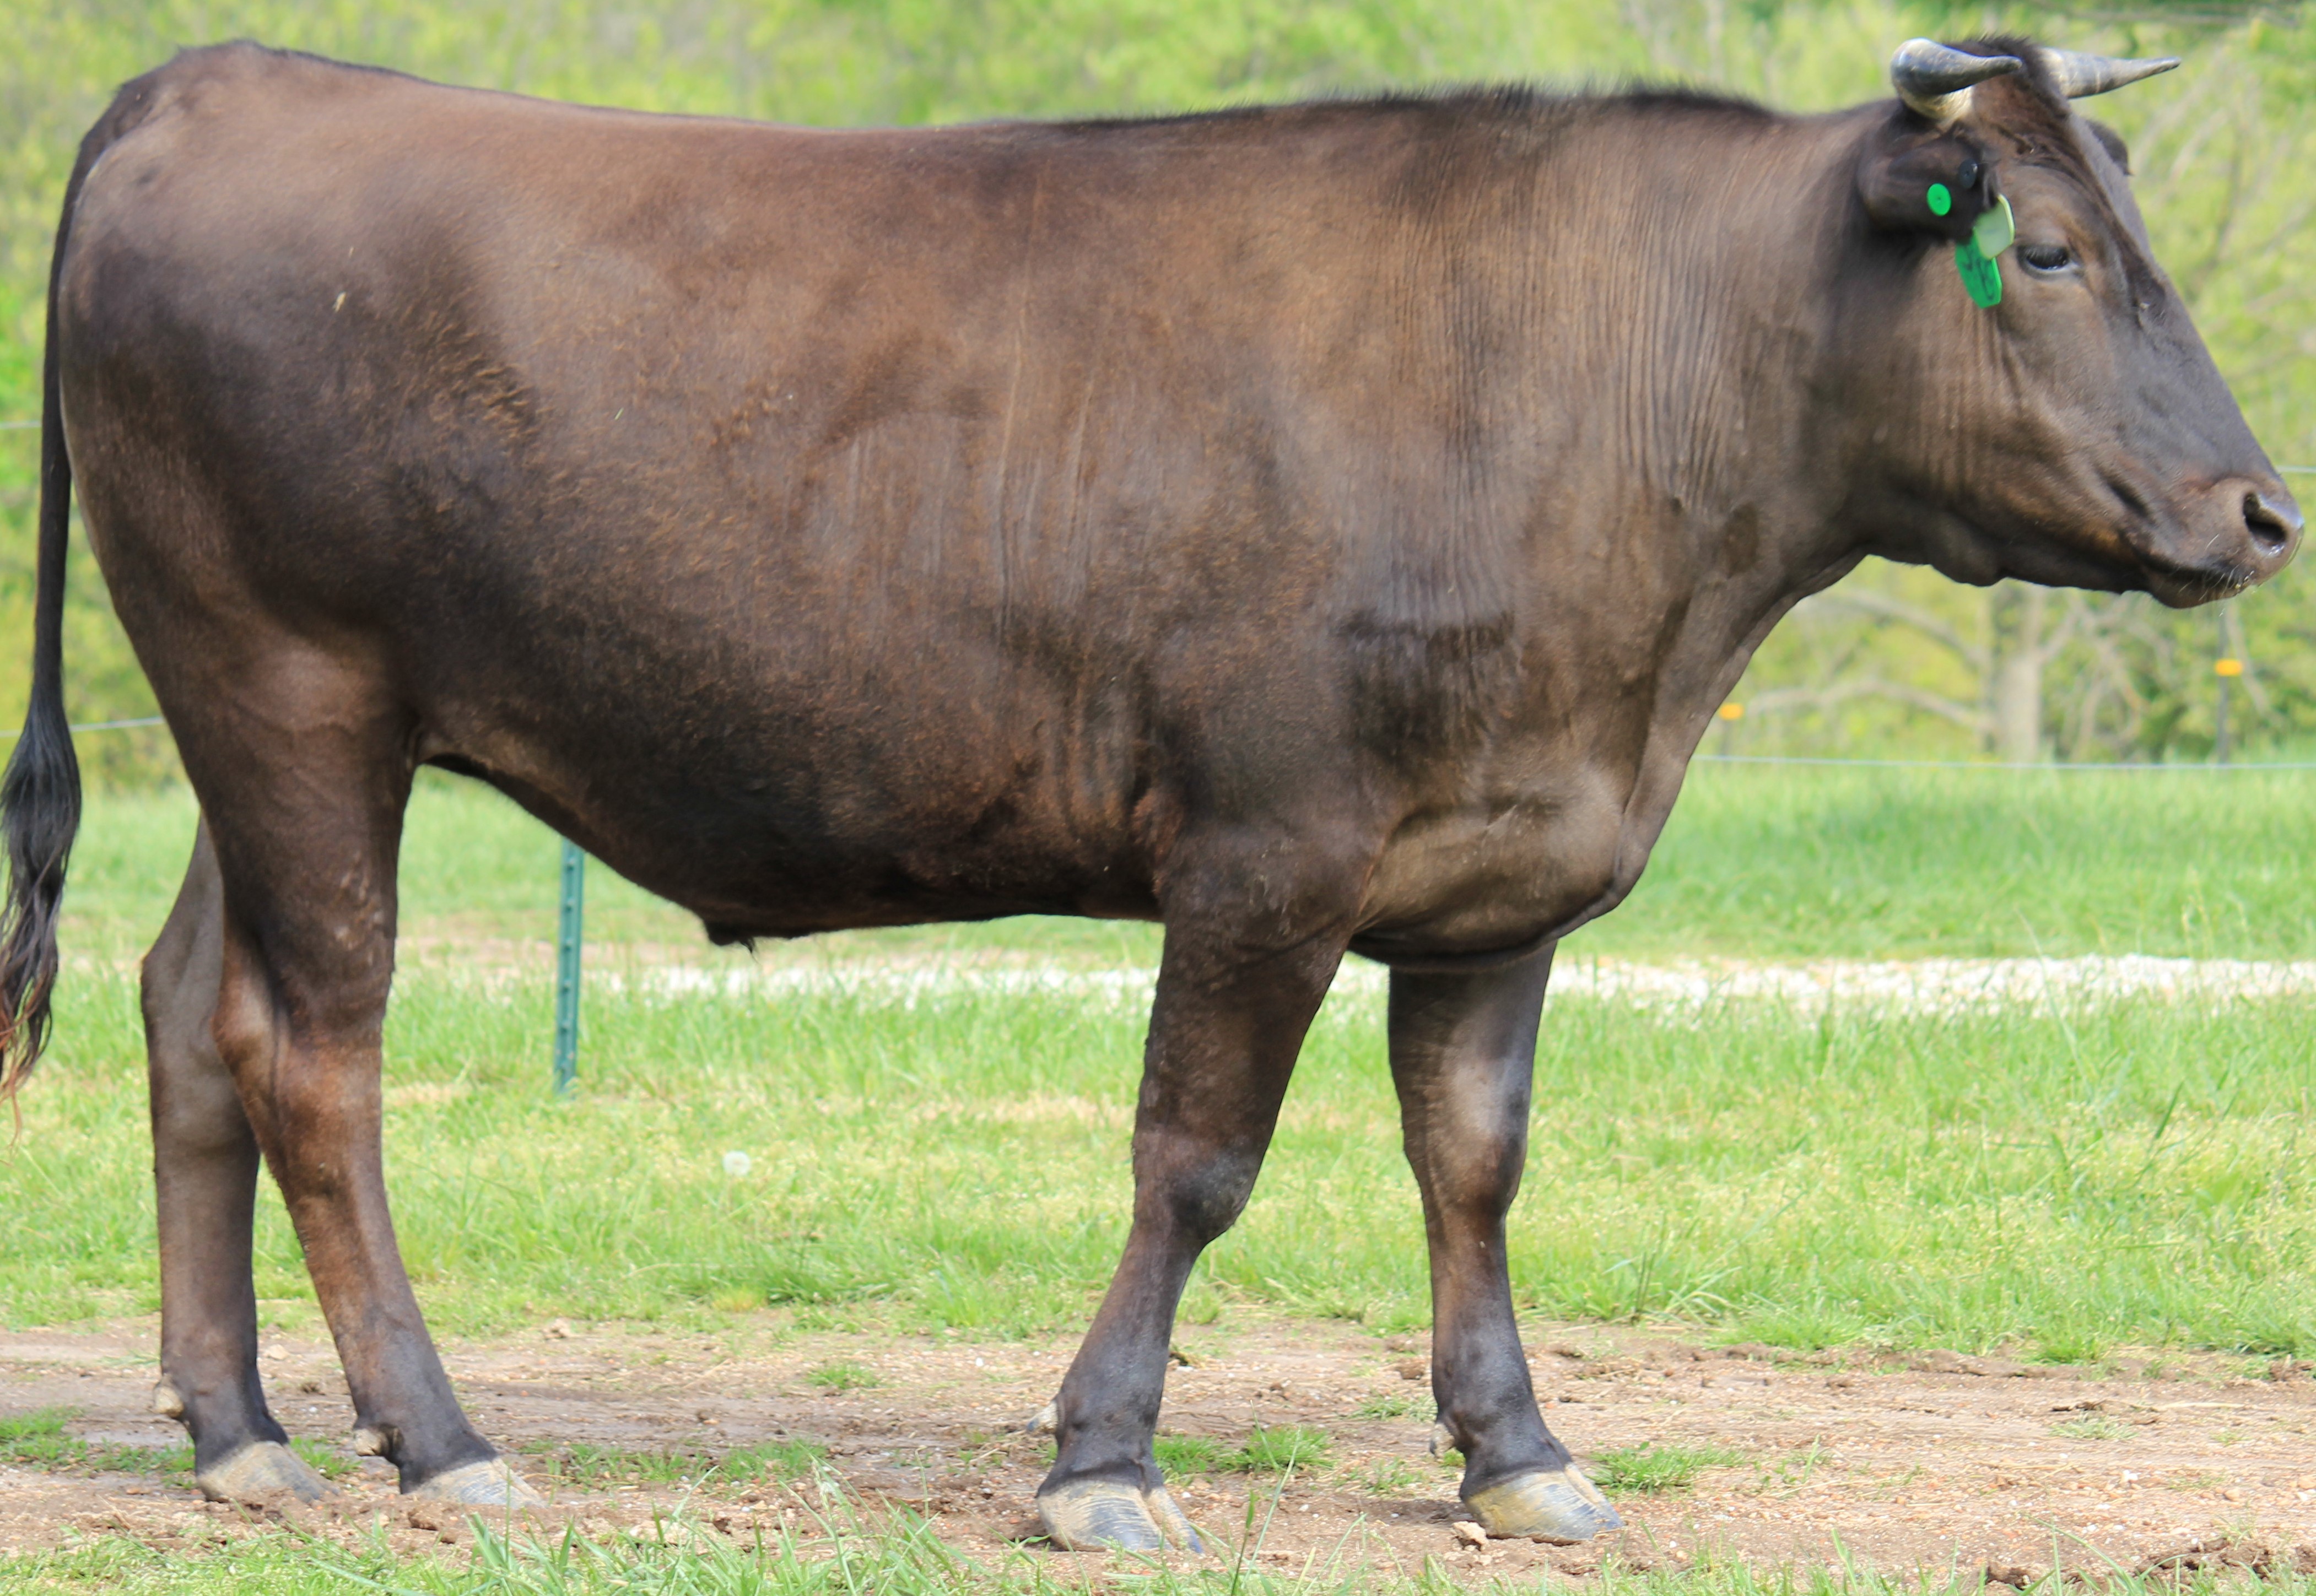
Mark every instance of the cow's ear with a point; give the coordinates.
(1922, 181)
(2112, 142)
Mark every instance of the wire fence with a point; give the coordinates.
(105, 725)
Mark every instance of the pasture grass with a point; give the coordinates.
(2139, 1173)
(38, 1440)
(2060, 1182)
(585, 1467)
(844, 1375)
(1650, 1468)
(2092, 1427)
(1779, 862)
(849, 1554)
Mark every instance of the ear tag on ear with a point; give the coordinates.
(1974, 255)
(1995, 229)
(1940, 198)
(1979, 274)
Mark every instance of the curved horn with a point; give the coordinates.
(1936, 81)
(2077, 76)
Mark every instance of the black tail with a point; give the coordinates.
(39, 796)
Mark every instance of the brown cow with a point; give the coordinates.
(1318, 528)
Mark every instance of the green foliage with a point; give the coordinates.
(1277, 1448)
(1388, 1477)
(844, 1377)
(2218, 147)
(1972, 864)
(956, 1157)
(38, 1440)
(1267, 1450)
(849, 1552)
(1650, 1468)
(1179, 1456)
(328, 1461)
(589, 1467)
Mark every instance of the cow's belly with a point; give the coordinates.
(818, 804)
(1492, 876)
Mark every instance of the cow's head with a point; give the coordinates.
(2076, 432)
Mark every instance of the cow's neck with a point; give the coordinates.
(1717, 472)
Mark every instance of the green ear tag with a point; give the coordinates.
(1990, 235)
(1979, 274)
(1941, 199)
(1995, 229)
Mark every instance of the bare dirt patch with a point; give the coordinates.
(1899, 1462)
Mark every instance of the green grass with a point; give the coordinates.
(328, 1461)
(1183, 1455)
(2139, 1173)
(38, 1440)
(590, 1468)
(844, 1377)
(848, 1553)
(1271, 1448)
(1649, 1469)
(2092, 1427)
(1276, 1448)
(1388, 1477)
(1808, 863)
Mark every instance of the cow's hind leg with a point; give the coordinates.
(1225, 1030)
(306, 832)
(205, 1162)
(1463, 1052)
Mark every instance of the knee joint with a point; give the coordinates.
(1205, 1199)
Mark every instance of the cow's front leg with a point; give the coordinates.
(1224, 1033)
(1463, 1051)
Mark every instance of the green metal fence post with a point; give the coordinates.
(567, 968)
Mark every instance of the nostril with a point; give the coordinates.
(2271, 524)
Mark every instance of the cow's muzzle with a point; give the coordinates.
(2273, 518)
(2234, 534)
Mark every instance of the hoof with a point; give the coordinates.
(488, 1483)
(1044, 1421)
(1172, 1523)
(261, 1470)
(1088, 1515)
(1560, 1505)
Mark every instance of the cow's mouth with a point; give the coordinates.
(2184, 587)
(2205, 546)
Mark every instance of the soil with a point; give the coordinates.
(1902, 1462)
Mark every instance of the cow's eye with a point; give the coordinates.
(2046, 257)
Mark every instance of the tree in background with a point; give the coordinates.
(1893, 660)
